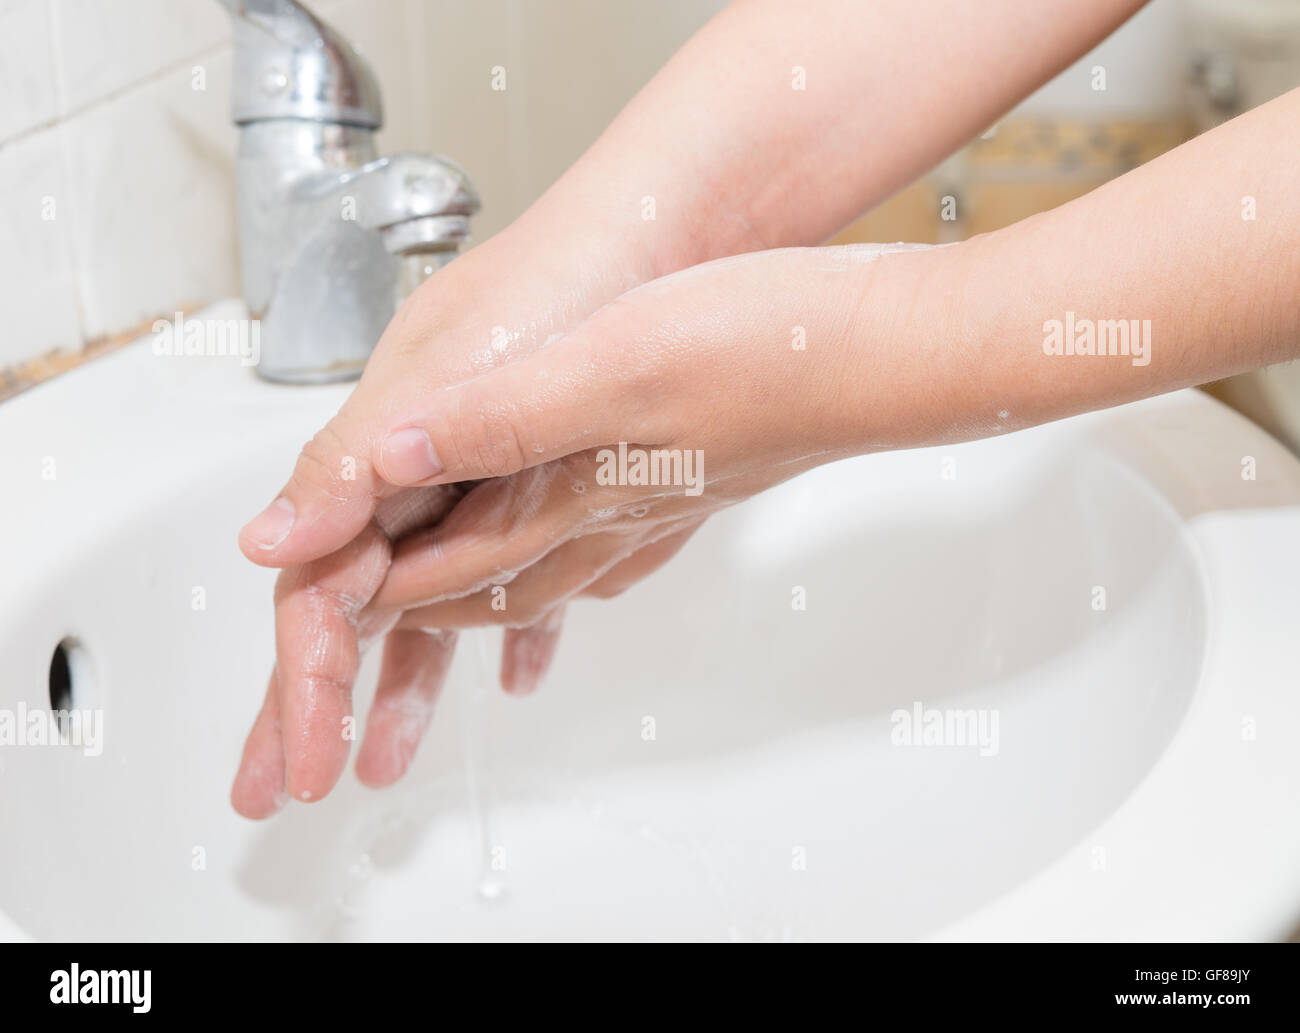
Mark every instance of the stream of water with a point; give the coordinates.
(476, 749)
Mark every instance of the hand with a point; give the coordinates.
(333, 525)
(724, 379)
(737, 366)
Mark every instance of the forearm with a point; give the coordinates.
(788, 357)
(720, 154)
(977, 337)
(736, 158)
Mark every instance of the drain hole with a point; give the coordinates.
(61, 676)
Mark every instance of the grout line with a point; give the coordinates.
(56, 59)
(115, 94)
(64, 113)
(68, 227)
(22, 376)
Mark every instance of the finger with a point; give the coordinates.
(642, 563)
(406, 511)
(526, 653)
(501, 527)
(330, 496)
(414, 668)
(259, 789)
(316, 613)
(333, 489)
(260, 786)
(396, 516)
(332, 493)
(530, 597)
(465, 430)
(569, 396)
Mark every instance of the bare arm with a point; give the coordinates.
(901, 349)
(778, 123)
(1167, 245)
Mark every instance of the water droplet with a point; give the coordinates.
(274, 81)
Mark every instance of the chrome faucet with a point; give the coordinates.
(332, 238)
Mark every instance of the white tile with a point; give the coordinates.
(106, 46)
(27, 81)
(152, 180)
(37, 289)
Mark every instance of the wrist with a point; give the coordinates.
(631, 230)
(911, 370)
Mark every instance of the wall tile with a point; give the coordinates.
(105, 47)
(152, 181)
(27, 79)
(38, 289)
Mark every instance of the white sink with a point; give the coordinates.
(1144, 785)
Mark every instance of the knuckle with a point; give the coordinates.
(324, 465)
(497, 445)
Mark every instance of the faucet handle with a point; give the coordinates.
(290, 64)
(405, 186)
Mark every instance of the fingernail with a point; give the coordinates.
(271, 526)
(407, 457)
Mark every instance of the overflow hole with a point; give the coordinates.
(72, 686)
(61, 676)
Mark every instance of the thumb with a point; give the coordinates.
(563, 398)
(328, 500)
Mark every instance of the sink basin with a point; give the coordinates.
(732, 749)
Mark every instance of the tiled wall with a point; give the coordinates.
(117, 152)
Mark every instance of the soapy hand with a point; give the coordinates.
(605, 450)
(333, 525)
(597, 450)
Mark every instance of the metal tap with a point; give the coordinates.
(332, 237)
